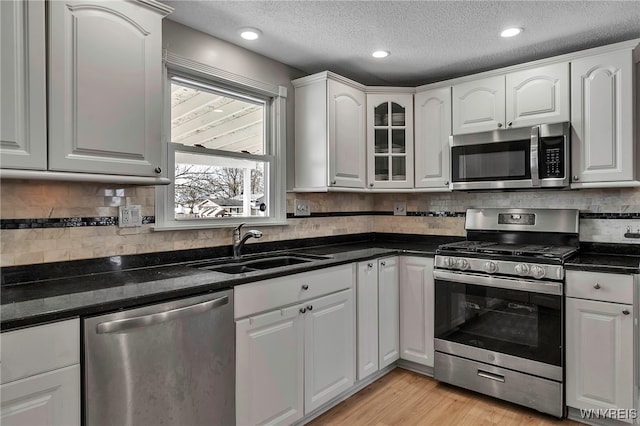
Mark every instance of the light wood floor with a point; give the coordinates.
(406, 398)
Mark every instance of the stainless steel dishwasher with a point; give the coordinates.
(167, 364)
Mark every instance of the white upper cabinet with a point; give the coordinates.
(602, 117)
(23, 133)
(330, 133)
(519, 99)
(432, 131)
(538, 95)
(390, 140)
(478, 106)
(105, 87)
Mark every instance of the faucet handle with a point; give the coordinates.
(238, 228)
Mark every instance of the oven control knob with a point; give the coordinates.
(490, 267)
(462, 264)
(449, 262)
(537, 271)
(522, 269)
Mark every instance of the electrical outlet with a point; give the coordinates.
(400, 209)
(301, 208)
(129, 216)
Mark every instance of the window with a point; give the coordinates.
(225, 152)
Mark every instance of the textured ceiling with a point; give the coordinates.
(428, 40)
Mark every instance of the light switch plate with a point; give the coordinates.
(129, 216)
(301, 208)
(400, 209)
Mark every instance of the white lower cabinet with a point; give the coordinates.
(378, 315)
(367, 319)
(293, 359)
(388, 311)
(416, 309)
(600, 341)
(47, 399)
(41, 375)
(270, 361)
(329, 348)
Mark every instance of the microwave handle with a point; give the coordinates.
(535, 176)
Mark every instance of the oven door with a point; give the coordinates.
(512, 323)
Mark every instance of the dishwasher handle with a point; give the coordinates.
(120, 325)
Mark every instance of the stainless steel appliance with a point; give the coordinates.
(531, 157)
(499, 316)
(168, 364)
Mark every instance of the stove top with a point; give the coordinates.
(518, 250)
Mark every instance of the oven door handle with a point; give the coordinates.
(545, 287)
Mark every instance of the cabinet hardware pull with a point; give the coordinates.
(157, 170)
(333, 182)
(371, 184)
(446, 183)
(310, 308)
(305, 287)
(576, 177)
(597, 286)
(370, 265)
(383, 263)
(499, 125)
(626, 312)
(510, 123)
(303, 310)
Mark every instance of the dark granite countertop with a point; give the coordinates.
(602, 257)
(37, 294)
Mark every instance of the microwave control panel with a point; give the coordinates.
(552, 158)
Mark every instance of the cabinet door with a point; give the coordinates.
(47, 399)
(23, 133)
(367, 321)
(602, 118)
(388, 311)
(347, 137)
(478, 106)
(105, 87)
(416, 310)
(432, 131)
(390, 140)
(537, 96)
(599, 354)
(269, 368)
(330, 359)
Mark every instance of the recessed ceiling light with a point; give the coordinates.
(218, 110)
(381, 54)
(250, 33)
(510, 32)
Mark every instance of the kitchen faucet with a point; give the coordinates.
(239, 242)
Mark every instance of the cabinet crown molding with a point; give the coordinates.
(156, 6)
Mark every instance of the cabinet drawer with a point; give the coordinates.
(600, 286)
(38, 349)
(274, 293)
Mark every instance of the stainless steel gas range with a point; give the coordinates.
(499, 310)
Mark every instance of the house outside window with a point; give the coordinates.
(225, 150)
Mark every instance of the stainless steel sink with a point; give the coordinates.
(257, 263)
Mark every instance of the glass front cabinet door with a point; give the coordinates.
(390, 140)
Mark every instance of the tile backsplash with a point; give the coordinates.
(433, 213)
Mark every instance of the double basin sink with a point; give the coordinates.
(256, 263)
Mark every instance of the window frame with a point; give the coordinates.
(275, 145)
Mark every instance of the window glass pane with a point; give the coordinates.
(216, 120)
(208, 187)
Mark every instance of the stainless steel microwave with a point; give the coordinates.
(530, 157)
